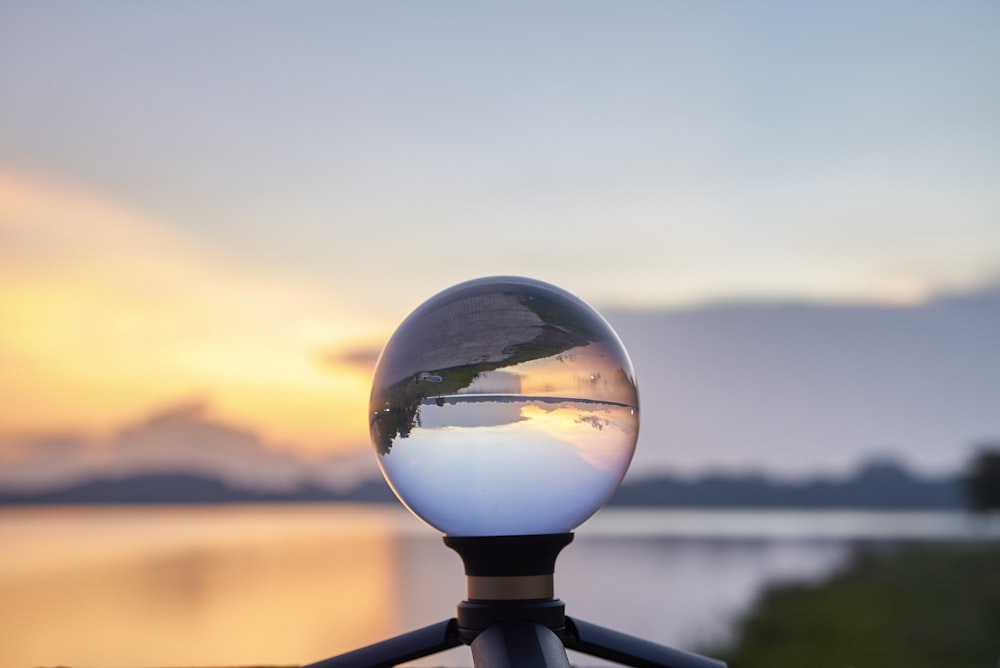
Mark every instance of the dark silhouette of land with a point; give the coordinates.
(982, 484)
(913, 605)
(463, 334)
(879, 485)
(187, 488)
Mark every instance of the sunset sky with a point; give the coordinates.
(235, 203)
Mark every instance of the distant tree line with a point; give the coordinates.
(982, 482)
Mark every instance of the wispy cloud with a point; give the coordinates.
(180, 438)
(360, 358)
(106, 313)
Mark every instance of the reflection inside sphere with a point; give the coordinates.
(502, 407)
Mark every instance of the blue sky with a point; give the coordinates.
(636, 153)
(226, 201)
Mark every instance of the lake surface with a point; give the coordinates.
(291, 584)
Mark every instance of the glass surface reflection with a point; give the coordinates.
(509, 465)
(504, 406)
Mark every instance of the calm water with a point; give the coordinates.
(291, 584)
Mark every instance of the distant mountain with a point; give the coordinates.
(790, 389)
(883, 486)
(178, 439)
(184, 488)
(880, 485)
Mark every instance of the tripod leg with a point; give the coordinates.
(628, 650)
(413, 645)
(518, 645)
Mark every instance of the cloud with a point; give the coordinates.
(799, 388)
(45, 461)
(107, 312)
(781, 388)
(360, 358)
(181, 438)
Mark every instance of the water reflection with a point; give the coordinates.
(289, 589)
(496, 337)
(487, 465)
(499, 398)
(293, 584)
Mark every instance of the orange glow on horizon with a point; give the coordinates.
(574, 426)
(107, 316)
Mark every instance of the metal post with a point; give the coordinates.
(518, 645)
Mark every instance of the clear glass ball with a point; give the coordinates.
(504, 406)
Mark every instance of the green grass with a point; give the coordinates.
(915, 606)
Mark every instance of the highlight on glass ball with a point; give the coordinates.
(504, 406)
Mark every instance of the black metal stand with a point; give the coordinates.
(511, 620)
(407, 647)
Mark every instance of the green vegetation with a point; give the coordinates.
(982, 484)
(561, 330)
(933, 606)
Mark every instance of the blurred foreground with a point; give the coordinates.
(936, 605)
(232, 585)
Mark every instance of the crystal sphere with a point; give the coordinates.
(504, 406)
